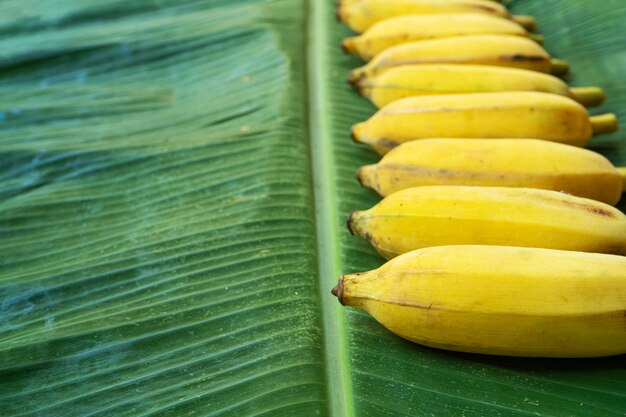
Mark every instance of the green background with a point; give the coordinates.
(174, 182)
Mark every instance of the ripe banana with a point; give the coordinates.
(403, 29)
(433, 79)
(494, 50)
(458, 215)
(498, 300)
(526, 163)
(482, 115)
(360, 15)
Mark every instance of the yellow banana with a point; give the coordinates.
(482, 115)
(494, 50)
(403, 29)
(362, 14)
(420, 217)
(434, 79)
(526, 163)
(498, 300)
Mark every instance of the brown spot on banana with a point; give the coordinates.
(601, 212)
(591, 207)
(611, 250)
(523, 58)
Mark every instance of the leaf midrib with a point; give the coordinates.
(339, 386)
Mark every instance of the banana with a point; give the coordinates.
(493, 50)
(433, 79)
(420, 217)
(498, 300)
(362, 14)
(482, 115)
(403, 29)
(525, 163)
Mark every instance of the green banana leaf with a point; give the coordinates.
(174, 181)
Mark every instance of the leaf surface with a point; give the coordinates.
(174, 182)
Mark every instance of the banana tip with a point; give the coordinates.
(359, 175)
(348, 46)
(352, 80)
(359, 87)
(338, 290)
(350, 224)
(356, 77)
(338, 11)
(354, 134)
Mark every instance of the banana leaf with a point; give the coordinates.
(174, 181)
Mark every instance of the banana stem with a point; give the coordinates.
(604, 123)
(588, 96)
(622, 171)
(527, 22)
(559, 67)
